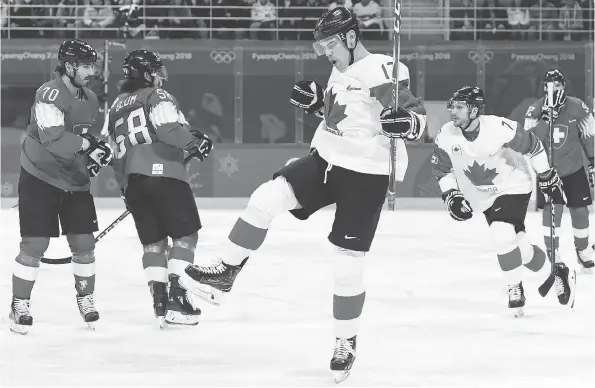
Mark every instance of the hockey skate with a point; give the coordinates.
(20, 316)
(159, 292)
(87, 309)
(565, 284)
(343, 358)
(516, 299)
(179, 309)
(584, 258)
(211, 282)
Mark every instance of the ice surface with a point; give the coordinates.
(435, 314)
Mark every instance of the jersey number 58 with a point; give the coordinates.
(136, 124)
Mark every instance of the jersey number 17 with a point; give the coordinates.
(136, 124)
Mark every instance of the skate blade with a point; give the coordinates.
(519, 312)
(162, 323)
(177, 318)
(572, 285)
(340, 376)
(206, 293)
(19, 329)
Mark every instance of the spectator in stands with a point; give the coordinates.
(154, 17)
(345, 3)
(129, 17)
(65, 19)
(518, 20)
(225, 19)
(263, 15)
(98, 15)
(4, 16)
(179, 20)
(26, 15)
(289, 18)
(589, 18)
(571, 20)
(542, 17)
(202, 12)
(368, 14)
(492, 21)
(463, 18)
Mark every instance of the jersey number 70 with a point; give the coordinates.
(138, 132)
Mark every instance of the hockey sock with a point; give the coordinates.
(82, 247)
(26, 265)
(267, 202)
(580, 227)
(558, 209)
(155, 262)
(349, 294)
(181, 253)
(533, 256)
(504, 240)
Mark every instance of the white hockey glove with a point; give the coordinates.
(400, 124)
(458, 207)
(308, 95)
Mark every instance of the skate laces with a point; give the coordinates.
(217, 268)
(86, 304)
(559, 284)
(342, 349)
(21, 306)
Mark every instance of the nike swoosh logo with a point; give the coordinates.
(350, 88)
(571, 121)
(350, 238)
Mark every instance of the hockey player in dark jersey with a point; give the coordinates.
(573, 135)
(59, 155)
(349, 167)
(150, 136)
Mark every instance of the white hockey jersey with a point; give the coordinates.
(350, 135)
(491, 165)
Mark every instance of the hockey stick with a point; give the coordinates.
(547, 284)
(392, 179)
(101, 235)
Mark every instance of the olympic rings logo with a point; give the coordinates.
(223, 56)
(485, 56)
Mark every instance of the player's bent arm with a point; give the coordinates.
(586, 128)
(165, 118)
(442, 170)
(526, 143)
(52, 134)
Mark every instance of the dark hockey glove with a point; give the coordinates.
(458, 207)
(550, 184)
(201, 147)
(98, 150)
(559, 101)
(591, 171)
(400, 124)
(308, 95)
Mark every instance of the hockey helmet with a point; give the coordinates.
(337, 21)
(137, 62)
(554, 76)
(470, 95)
(76, 51)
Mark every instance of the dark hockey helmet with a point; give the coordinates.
(137, 62)
(554, 76)
(337, 21)
(76, 51)
(470, 95)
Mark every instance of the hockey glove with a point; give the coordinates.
(559, 101)
(400, 124)
(201, 147)
(591, 172)
(308, 95)
(550, 184)
(458, 207)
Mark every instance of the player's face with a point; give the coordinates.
(459, 114)
(557, 86)
(159, 77)
(335, 51)
(84, 73)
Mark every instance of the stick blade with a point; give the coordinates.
(547, 285)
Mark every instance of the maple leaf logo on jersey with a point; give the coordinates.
(334, 112)
(480, 176)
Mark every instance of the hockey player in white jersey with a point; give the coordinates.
(479, 161)
(348, 166)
